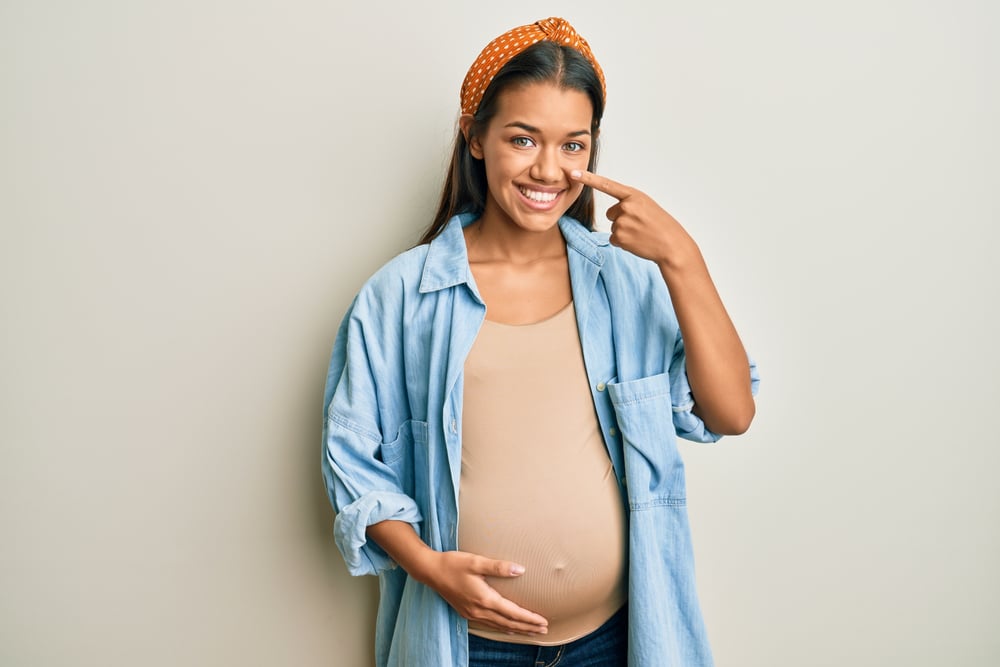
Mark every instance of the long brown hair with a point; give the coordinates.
(465, 184)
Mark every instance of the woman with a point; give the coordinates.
(524, 373)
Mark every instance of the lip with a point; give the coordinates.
(539, 205)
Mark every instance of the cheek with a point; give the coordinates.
(500, 163)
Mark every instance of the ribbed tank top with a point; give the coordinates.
(537, 486)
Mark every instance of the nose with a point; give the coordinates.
(546, 168)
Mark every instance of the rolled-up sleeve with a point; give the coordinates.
(361, 555)
(687, 424)
(363, 491)
(362, 487)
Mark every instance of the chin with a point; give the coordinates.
(536, 223)
(534, 218)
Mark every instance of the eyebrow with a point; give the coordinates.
(532, 128)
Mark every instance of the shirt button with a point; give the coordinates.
(601, 386)
(612, 431)
(454, 426)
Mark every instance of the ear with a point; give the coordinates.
(465, 125)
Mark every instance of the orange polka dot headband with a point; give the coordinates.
(499, 52)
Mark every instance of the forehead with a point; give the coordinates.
(545, 106)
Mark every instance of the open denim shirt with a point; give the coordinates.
(393, 424)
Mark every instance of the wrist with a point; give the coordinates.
(421, 564)
(680, 258)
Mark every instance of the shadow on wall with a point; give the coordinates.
(354, 600)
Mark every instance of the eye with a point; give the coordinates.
(522, 142)
(574, 147)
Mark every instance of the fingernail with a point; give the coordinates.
(517, 569)
(576, 173)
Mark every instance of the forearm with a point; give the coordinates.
(404, 546)
(717, 365)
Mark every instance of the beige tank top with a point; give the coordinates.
(537, 485)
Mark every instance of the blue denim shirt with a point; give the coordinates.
(393, 424)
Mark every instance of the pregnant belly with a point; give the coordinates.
(572, 545)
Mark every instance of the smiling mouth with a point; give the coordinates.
(537, 196)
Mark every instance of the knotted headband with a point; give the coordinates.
(499, 52)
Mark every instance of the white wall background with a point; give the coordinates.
(191, 192)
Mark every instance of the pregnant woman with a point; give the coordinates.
(503, 400)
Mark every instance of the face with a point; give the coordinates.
(539, 134)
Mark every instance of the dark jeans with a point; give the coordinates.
(607, 646)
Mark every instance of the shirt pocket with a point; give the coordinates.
(398, 454)
(653, 467)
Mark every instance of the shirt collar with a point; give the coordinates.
(447, 262)
(582, 240)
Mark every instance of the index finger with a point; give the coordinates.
(519, 614)
(602, 184)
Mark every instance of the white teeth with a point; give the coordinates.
(542, 197)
